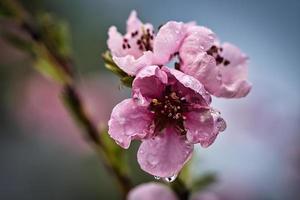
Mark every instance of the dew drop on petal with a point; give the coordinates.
(157, 177)
(171, 178)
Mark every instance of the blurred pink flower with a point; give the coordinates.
(158, 191)
(151, 191)
(169, 112)
(39, 109)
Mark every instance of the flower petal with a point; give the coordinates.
(168, 41)
(165, 154)
(129, 121)
(114, 42)
(131, 65)
(133, 22)
(234, 75)
(151, 191)
(203, 68)
(203, 126)
(190, 86)
(198, 40)
(149, 84)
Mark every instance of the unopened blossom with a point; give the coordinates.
(169, 112)
(151, 191)
(141, 47)
(222, 69)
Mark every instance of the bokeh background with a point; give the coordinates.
(42, 153)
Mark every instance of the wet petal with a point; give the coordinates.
(203, 126)
(191, 87)
(151, 191)
(149, 84)
(131, 65)
(198, 40)
(168, 41)
(165, 154)
(234, 75)
(129, 121)
(204, 69)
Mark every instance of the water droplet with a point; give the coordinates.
(171, 178)
(156, 177)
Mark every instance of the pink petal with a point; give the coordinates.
(131, 65)
(129, 121)
(114, 42)
(165, 154)
(203, 68)
(151, 191)
(234, 75)
(133, 22)
(149, 84)
(189, 85)
(203, 126)
(167, 41)
(199, 40)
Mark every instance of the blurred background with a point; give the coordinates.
(43, 155)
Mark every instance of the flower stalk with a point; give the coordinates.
(60, 66)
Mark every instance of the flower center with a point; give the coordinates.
(214, 52)
(169, 109)
(145, 41)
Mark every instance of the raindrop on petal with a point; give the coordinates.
(171, 178)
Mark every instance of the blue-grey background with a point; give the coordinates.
(257, 157)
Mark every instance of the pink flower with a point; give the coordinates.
(158, 191)
(140, 47)
(169, 112)
(151, 191)
(222, 69)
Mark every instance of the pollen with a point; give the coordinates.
(170, 108)
(214, 51)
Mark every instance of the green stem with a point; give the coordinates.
(75, 107)
(70, 95)
(180, 189)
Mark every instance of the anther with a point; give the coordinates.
(226, 62)
(173, 95)
(155, 101)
